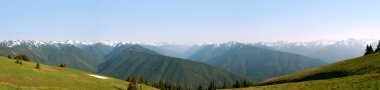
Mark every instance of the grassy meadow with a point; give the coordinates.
(27, 77)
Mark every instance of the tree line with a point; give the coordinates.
(369, 50)
(162, 85)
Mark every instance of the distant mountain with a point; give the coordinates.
(329, 51)
(175, 50)
(98, 50)
(210, 51)
(252, 61)
(134, 60)
(87, 54)
(52, 54)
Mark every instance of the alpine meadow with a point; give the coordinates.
(189, 45)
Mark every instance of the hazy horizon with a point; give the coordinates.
(194, 21)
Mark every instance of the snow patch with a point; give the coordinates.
(97, 76)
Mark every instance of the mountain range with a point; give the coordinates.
(70, 55)
(134, 60)
(329, 51)
(361, 73)
(188, 65)
(252, 61)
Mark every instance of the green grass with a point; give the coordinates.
(26, 76)
(355, 82)
(353, 74)
(357, 66)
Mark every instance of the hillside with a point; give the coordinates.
(254, 62)
(357, 66)
(15, 77)
(354, 82)
(353, 74)
(137, 61)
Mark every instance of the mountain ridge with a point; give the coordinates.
(248, 60)
(155, 67)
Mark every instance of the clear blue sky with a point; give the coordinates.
(189, 20)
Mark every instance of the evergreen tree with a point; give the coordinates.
(378, 47)
(155, 85)
(224, 86)
(146, 82)
(9, 57)
(25, 58)
(141, 80)
(212, 86)
(128, 79)
(236, 84)
(369, 50)
(161, 84)
(246, 84)
(133, 84)
(38, 65)
(22, 57)
(200, 87)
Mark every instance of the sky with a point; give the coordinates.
(189, 21)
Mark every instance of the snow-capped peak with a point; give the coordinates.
(113, 43)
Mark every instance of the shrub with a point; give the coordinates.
(22, 57)
(18, 61)
(62, 65)
(38, 65)
(9, 57)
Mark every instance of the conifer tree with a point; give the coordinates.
(200, 87)
(133, 84)
(38, 65)
(246, 84)
(9, 57)
(22, 57)
(224, 86)
(128, 79)
(378, 47)
(236, 84)
(212, 86)
(161, 84)
(141, 80)
(25, 58)
(369, 50)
